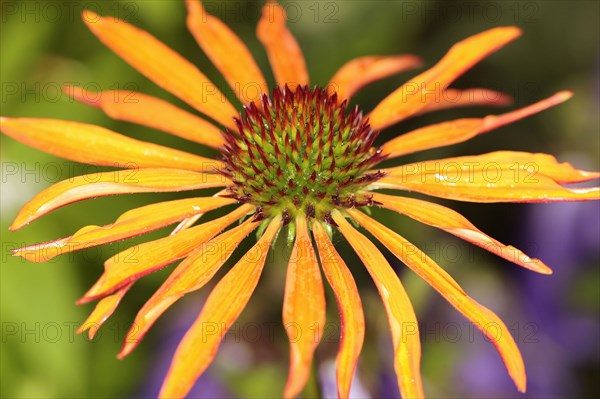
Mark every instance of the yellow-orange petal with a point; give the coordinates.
(142, 259)
(103, 310)
(111, 183)
(96, 145)
(227, 52)
(457, 131)
(303, 308)
(454, 223)
(433, 136)
(359, 72)
(132, 223)
(191, 275)
(222, 307)
(452, 98)
(162, 65)
(285, 55)
(526, 163)
(488, 322)
(503, 176)
(401, 315)
(150, 111)
(352, 321)
(413, 96)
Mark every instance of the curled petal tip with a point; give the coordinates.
(511, 30)
(591, 175)
(19, 222)
(124, 352)
(418, 61)
(127, 347)
(81, 95)
(90, 17)
(505, 99)
(564, 95)
(193, 5)
(83, 300)
(540, 267)
(521, 383)
(91, 331)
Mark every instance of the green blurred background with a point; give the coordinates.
(554, 319)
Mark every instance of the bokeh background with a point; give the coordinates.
(554, 318)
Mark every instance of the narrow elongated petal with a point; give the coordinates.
(162, 65)
(454, 223)
(457, 131)
(433, 136)
(150, 111)
(401, 315)
(284, 53)
(359, 72)
(489, 324)
(523, 163)
(229, 54)
(223, 306)
(503, 176)
(96, 145)
(303, 308)
(412, 97)
(452, 98)
(132, 223)
(103, 310)
(139, 260)
(191, 275)
(349, 304)
(111, 183)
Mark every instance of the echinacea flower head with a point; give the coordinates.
(294, 157)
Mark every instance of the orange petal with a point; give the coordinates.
(350, 306)
(452, 98)
(131, 223)
(229, 54)
(526, 163)
(150, 111)
(454, 223)
(139, 260)
(412, 97)
(162, 65)
(191, 275)
(489, 324)
(223, 306)
(359, 72)
(401, 315)
(103, 310)
(303, 308)
(457, 131)
(111, 183)
(284, 53)
(96, 145)
(503, 176)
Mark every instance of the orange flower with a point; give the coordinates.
(291, 157)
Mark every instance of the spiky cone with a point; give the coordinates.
(294, 156)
